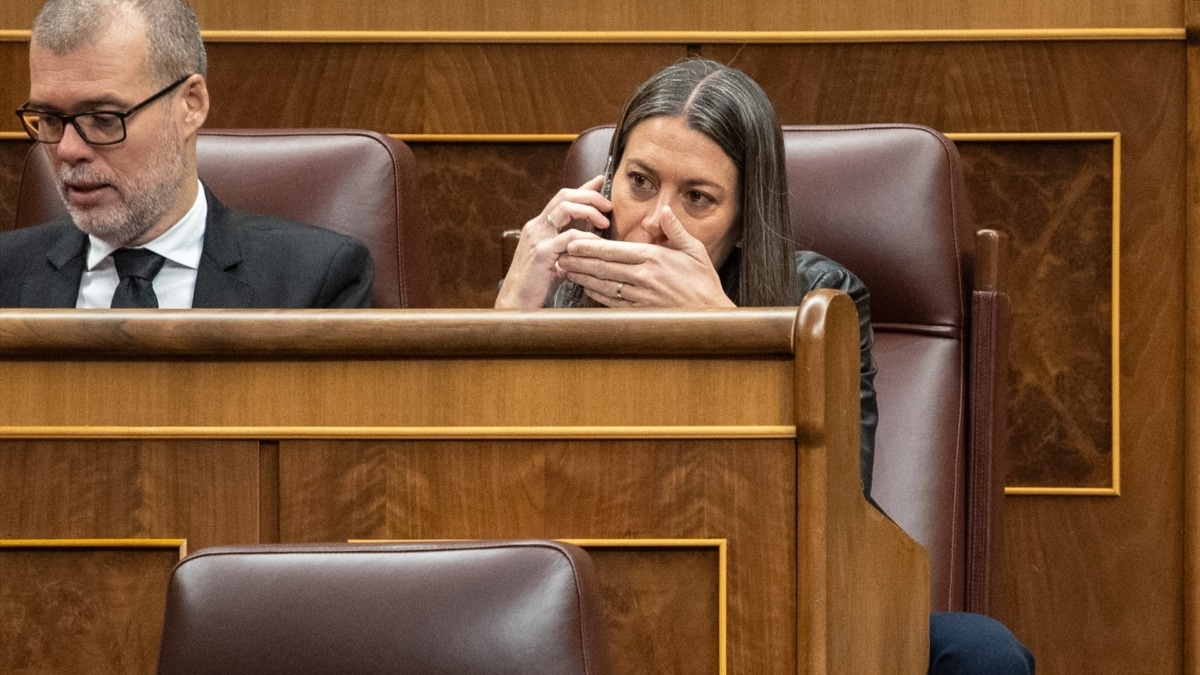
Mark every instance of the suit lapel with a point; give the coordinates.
(56, 284)
(216, 282)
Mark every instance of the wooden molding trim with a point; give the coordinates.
(679, 37)
(401, 433)
(179, 544)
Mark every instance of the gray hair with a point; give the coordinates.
(172, 32)
(729, 107)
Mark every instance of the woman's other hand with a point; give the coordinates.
(677, 273)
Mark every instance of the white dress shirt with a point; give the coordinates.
(175, 284)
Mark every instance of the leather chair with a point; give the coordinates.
(889, 203)
(457, 608)
(359, 183)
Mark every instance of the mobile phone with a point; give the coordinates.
(606, 190)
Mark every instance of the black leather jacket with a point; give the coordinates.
(814, 271)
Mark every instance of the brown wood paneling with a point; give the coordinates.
(447, 88)
(678, 588)
(672, 15)
(14, 74)
(1191, 474)
(1115, 568)
(12, 158)
(636, 489)
(82, 610)
(534, 395)
(473, 192)
(1055, 199)
(465, 471)
(697, 489)
(202, 491)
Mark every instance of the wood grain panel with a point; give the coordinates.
(433, 88)
(703, 489)
(1191, 462)
(675, 592)
(671, 15)
(636, 489)
(12, 158)
(1055, 199)
(202, 491)
(1115, 567)
(475, 191)
(966, 87)
(82, 610)
(248, 394)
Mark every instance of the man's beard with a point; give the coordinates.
(144, 199)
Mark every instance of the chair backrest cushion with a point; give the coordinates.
(889, 202)
(462, 608)
(359, 183)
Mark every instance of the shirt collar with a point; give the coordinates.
(182, 244)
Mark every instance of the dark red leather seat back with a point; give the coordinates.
(469, 608)
(889, 203)
(359, 183)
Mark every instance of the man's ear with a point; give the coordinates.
(195, 97)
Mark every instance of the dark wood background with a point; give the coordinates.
(1094, 583)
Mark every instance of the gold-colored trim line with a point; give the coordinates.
(1062, 492)
(399, 433)
(179, 544)
(483, 138)
(1034, 136)
(679, 37)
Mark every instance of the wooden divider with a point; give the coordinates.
(669, 431)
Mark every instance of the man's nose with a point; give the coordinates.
(72, 148)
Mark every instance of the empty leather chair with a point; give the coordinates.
(359, 183)
(453, 608)
(889, 202)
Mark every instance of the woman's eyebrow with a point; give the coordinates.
(643, 167)
(690, 182)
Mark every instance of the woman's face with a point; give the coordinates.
(667, 164)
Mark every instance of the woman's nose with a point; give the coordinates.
(651, 223)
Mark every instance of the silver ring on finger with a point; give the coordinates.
(552, 223)
(620, 285)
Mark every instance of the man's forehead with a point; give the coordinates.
(109, 68)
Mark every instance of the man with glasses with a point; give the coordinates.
(117, 96)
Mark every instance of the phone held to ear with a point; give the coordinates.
(606, 188)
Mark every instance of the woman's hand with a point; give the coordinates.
(534, 273)
(625, 274)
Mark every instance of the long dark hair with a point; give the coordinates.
(729, 107)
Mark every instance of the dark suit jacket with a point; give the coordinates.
(249, 261)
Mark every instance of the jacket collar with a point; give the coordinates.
(217, 283)
(57, 284)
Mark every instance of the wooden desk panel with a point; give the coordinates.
(735, 426)
(738, 490)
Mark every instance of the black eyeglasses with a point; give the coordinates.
(95, 128)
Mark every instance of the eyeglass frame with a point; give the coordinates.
(70, 119)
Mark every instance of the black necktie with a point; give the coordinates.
(136, 267)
